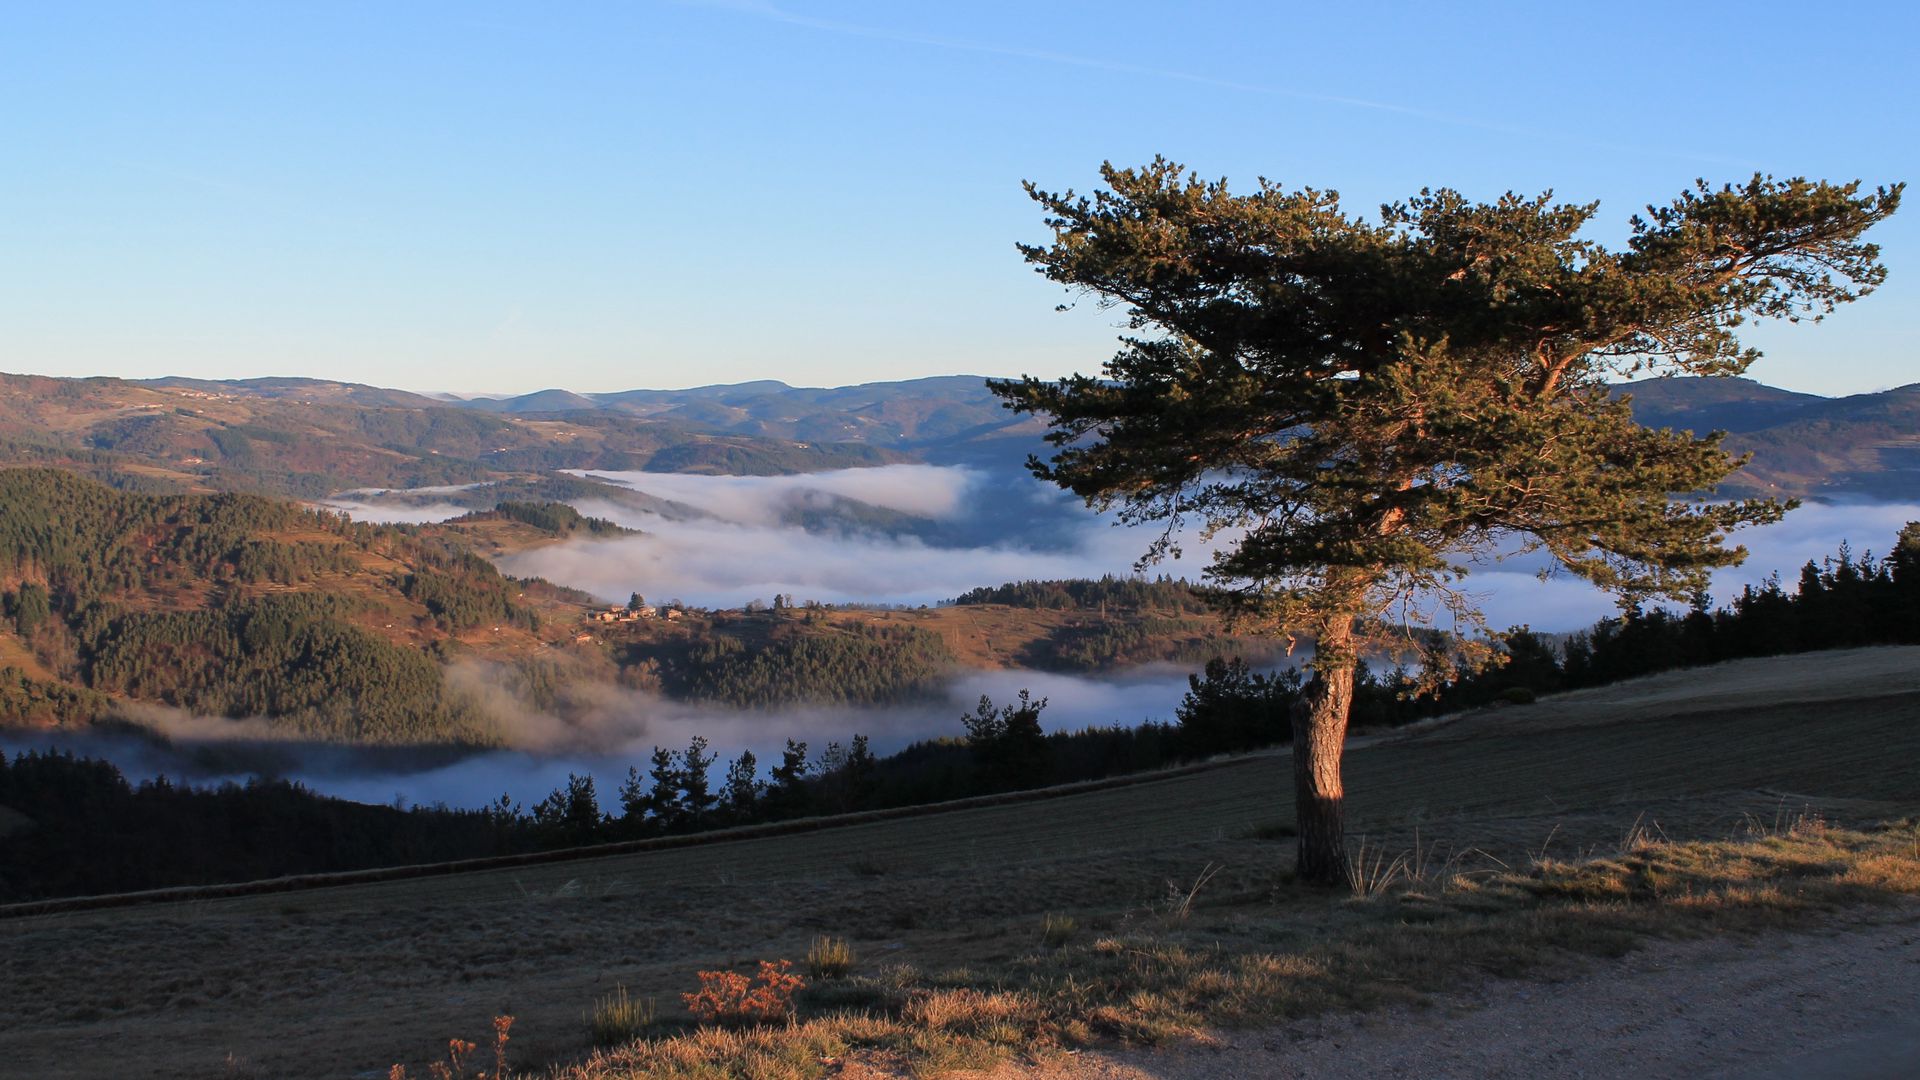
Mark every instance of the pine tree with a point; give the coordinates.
(663, 796)
(1373, 403)
(697, 799)
(743, 787)
(860, 767)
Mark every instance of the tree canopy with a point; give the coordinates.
(1362, 407)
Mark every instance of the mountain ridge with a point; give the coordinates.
(310, 437)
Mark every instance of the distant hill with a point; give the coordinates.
(303, 391)
(916, 413)
(308, 438)
(1804, 445)
(311, 437)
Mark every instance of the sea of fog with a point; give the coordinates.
(973, 527)
(997, 526)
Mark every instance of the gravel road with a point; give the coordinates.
(1842, 1003)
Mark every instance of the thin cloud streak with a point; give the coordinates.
(775, 14)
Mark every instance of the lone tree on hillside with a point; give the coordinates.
(1363, 406)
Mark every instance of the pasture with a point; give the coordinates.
(346, 980)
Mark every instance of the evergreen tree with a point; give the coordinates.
(571, 813)
(30, 607)
(1375, 403)
(663, 794)
(697, 799)
(634, 804)
(1231, 708)
(860, 770)
(787, 797)
(1905, 572)
(1008, 744)
(741, 796)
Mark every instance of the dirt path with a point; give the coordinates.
(1843, 1002)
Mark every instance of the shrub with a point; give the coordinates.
(730, 997)
(1517, 695)
(458, 1051)
(829, 958)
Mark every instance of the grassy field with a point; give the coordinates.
(346, 981)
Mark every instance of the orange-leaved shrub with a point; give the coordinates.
(730, 997)
(455, 1067)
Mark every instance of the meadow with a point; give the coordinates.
(1031, 900)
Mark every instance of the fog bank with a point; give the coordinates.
(618, 732)
(975, 527)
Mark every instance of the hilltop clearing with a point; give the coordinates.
(351, 979)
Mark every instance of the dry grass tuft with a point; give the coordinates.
(1057, 930)
(829, 958)
(1179, 901)
(618, 1018)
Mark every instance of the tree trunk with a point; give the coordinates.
(1319, 735)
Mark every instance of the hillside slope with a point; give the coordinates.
(407, 963)
(245, 607)
(1866, 446)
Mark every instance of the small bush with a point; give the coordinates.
(1517, 695)
(730, 997)
(459, 1053)
(829, 958)
(618, 1018)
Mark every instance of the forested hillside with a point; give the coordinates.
(237, 606)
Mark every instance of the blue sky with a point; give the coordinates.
(502, 197)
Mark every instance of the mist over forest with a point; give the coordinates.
(543, 751)
(909, 534)
(946, 529)
(901, 534)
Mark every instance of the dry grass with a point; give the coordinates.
(829, 958)
(619, 1018)
(1057, 930)
(1424, 927)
